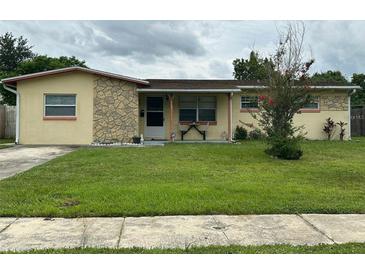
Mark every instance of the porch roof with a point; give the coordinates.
(194, 85)
(219, 85)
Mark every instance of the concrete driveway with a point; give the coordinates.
(20, 158)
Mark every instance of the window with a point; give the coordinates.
(197, 108)
(59, 105)
(313, 105)
(249, 102)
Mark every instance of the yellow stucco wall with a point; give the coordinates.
(313, 122)
(35, 130)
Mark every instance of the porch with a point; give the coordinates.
(186, 116)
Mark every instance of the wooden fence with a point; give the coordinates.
(358, 121)
(7, 121)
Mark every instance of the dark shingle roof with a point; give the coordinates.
(198, 84)
(216, 84)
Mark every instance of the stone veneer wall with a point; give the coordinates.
(115, 110)
(334, 102)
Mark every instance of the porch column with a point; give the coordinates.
(171, 115)
(229, 114)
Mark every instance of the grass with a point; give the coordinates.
(5, 143)
(351, 248)
(191, 179)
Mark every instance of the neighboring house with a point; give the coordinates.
(81, 106)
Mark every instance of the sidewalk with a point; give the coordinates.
(180, 231)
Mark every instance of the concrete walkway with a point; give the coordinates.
(21, 158)
(180, 231)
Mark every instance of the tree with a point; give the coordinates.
(288, 91)
(329, 76)
(13, 51)
(359, 97)
(253, 68)
(43, 63)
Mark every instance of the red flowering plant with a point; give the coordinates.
(288, 90)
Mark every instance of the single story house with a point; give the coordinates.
(82, 106)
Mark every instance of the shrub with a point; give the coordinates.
(342, 129)
(256, 134)
(240, 133)
(288, 149)
(329, 127)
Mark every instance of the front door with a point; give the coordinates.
(154, 122)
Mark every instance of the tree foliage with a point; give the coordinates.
(254, 68)
(13, 51)
(288, 91)
(329, 76)
(17, 58)
(43, 63)
(359, 97)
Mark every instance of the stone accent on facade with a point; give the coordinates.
(115, 110)
(334, 102)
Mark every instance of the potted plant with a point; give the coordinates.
(136, 139)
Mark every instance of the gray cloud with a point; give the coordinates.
(187, 49)
(146, 39)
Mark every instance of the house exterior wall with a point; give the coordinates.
(108, 110)
(331, 104)
(35, 130)
(115, 110)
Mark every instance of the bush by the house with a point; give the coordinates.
(342, 129)
(256, 134)
(288, 149)
(329, 127)
(240, 133)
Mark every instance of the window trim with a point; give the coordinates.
(182, 122)
(65, 117)
(248, 109)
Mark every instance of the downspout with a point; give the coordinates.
(230, 117)
(349, 111)
(17, 110)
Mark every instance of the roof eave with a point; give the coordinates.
(70, 69)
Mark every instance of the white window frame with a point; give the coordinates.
(197, 108)
(245, 96)
(53, 105)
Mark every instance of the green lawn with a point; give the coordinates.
(191, 179)
(4, 143)
(352, 248)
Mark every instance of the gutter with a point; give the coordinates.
(312, 87)
(187, 90)
(17, 110)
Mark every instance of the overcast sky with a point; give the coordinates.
(188, 49)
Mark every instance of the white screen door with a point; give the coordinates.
(154, 121)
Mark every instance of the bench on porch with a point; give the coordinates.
(202, 131)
